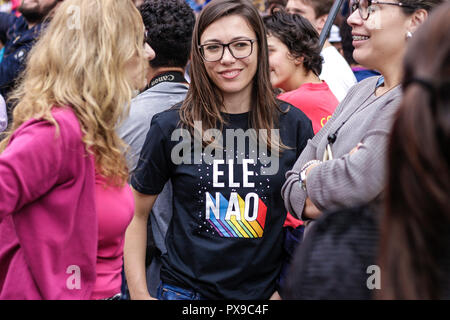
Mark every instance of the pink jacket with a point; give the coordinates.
(48, 222)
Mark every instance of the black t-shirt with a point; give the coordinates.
(225, 236)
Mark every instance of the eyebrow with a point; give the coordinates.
(295, 10)
(234, 39)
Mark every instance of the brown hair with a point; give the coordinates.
(413, 5)
(299, 36)
(416, 222)
(204, 100)
(321, 7)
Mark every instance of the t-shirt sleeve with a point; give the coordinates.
(154, 166)
(304, 132)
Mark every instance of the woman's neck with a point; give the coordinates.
(237, 102)
(392, 73)
(300, 78)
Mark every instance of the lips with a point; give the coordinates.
(230, 74)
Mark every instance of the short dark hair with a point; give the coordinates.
(321, 7)
(169, 25)
(299, 36)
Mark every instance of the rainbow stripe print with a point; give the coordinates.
(236, 217)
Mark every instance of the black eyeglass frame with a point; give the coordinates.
(355, 5)
(226, 45)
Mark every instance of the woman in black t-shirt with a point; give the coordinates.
(226, 150)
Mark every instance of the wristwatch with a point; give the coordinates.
(303, 179)
(302, 174)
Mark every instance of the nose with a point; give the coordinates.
(149, 53)
(227, 57)
(354, 18)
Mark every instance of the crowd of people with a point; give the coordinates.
(192, 150)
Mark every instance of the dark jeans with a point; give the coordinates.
(170, 292)
(293, 238)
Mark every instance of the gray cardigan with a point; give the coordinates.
(347, 180)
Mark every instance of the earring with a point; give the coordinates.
(409, 35)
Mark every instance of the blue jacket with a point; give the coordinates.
(195, 6)
(18, 40)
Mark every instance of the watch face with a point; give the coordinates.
(303, 179)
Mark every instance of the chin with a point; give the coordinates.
(231, 89)
(361, 59)
(274, 84)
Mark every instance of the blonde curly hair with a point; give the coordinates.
(80, 61)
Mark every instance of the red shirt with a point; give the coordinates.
(315, 100)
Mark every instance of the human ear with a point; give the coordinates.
(299, 61)
(320, 22)
(416, 19)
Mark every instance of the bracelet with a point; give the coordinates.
(309, 163)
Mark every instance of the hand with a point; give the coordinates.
(355, 148)
(310, 167)
(275, 296)
(311, 211)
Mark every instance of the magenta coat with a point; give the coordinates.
(48, 222)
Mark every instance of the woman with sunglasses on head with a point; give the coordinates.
(343, 165)
(225, 237)
(64, 199)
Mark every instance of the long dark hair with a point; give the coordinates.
(204, 100)
(415, 227)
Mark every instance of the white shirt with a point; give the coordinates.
(336, 72)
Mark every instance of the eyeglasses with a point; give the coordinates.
(214, 51)
(365, 6)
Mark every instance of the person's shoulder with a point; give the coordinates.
(288, 94)
(20, 22)
(290, 113)
(68, 123)
(68, 129)
(170, 88)
(336, 62)
(331, 53)
(20, 27)
(169, 118)
(367, 85)
(65, 115)
(162, 91)
(370, 81)
(9, 19)
(331, 56)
